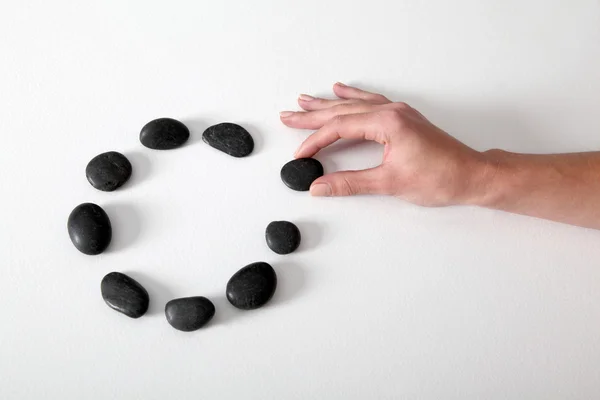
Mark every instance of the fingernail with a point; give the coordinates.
(340, 84)
(298, 151)
(285, 114)
(306, 97)
(320, 190)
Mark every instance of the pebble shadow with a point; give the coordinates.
(141, 168)
(291, 281)
(159, 293)
(311, 234)
(225, 312)
(197, 127)
(126, 225)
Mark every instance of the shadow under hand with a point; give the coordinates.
(350, 155)
(126, 225)
(343, 145)
(159, 294)
(483, 127)
(481, 123)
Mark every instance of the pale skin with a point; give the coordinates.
(424, 165)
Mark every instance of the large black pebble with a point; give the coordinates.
(189, 313)
(252, 286)
(299, 174)
(283, 237)
(164, 134)
(108, 171)
(229, 138)
(124, 294)
(89, 228)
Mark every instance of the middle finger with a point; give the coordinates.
(316, 119)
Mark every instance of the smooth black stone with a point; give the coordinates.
(252, 286)
(229, 138)
(89, 228)
(189, 313)
(108, 171)
(124, 294)
(164, 134)
(283, 237)
(299, 174)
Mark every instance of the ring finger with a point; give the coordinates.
(310, 103)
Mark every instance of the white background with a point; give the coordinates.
(383, 299)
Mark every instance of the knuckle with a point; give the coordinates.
(392, 117)
(352, 107)
(400, 105)
(341, 108)
(356, 102)
(337, 120)
(344, 187)
(381, 98)
(348, 187)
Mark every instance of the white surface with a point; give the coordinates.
(384, 299)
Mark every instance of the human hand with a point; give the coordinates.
(421, 163)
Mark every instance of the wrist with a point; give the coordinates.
(488, 179)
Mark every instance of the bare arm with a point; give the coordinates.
(559, 187)
(424, 165)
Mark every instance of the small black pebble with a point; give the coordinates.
(108, 171)
(164, 134)
(252, 286)
(283, 237)
(299, 174)
(89, 228)
(189, 313)
(124, 294)
(229, 138)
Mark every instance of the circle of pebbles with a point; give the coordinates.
(249, 288)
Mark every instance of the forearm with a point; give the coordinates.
(558, 187)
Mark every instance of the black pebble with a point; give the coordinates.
(124, 294)
(189, 313)
(229, 138)
(164, 134)
(108, 171)
(89, 228)
(252, 286)
(283, 237)
(299, 174)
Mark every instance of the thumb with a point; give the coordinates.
(348, 183)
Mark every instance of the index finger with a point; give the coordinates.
(350, 92)
(365, 126)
